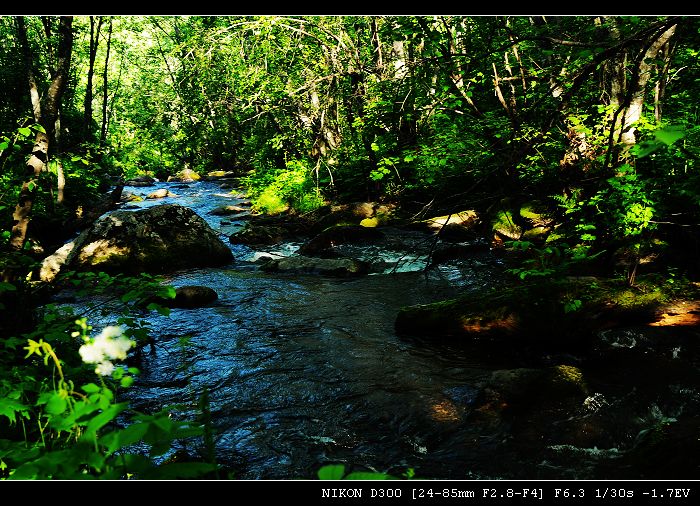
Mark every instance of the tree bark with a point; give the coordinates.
(103, 129)
(87, 104)
(48, 112)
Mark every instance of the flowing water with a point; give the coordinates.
(303, 370)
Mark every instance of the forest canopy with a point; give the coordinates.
(564, 147)
(591, 117)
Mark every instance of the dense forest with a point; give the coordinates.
(563, 149)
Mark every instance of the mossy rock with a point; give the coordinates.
(464, 220)
(539, 312)
(185, 176)
(366, 214)
(258, 235)
(505, 226)
(524, 384)
(336, 267)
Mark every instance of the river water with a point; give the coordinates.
(305, 370)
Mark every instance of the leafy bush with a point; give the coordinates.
(276, 190)
(60, 421)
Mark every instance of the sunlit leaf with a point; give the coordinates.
(331, 472)
(367, 476)
(56, 405)
(670, 134)
(8, 408)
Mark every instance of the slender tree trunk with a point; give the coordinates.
(48, 113)
(103, 129)
(627, 94)
(94, 43)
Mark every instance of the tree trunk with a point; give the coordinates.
(48, 112)
(627, 96)
(87, 109)
(103, 129)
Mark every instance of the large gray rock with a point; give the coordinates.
(159, 239)
(338, 267)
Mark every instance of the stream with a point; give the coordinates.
(305, 370)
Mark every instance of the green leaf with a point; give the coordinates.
(31, 185)
(8, 408)
(670, 134)
(332, 472)
(39, 128)
(367, 476)
(104, 418)
(7, 287)
(115, 440)
(127, 381)
(4, 145)
(90, 388)
(26, 132)
(96, 461)
(56, 405)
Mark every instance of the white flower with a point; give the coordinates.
(91, 354)
(117, 348)
(110, 344)
(110, 331)
(104, 368)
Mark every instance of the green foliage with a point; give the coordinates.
(275, 191)
(337, 472)
(58, 420)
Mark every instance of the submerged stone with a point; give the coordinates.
(193, 296)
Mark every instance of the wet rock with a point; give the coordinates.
(131, 197)
(537, 313)
(141, 181)
(505, 227)
(185, 176)
(227, 210)
(215, 175)
(160, 239)
(337, 267)
(463, 219)
(160, 194)
(668, 451)
(258, 235)
(323, 243)
(529, 400)
(193, 296)
(367, 214)
(459, 318)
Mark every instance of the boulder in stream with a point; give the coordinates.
(140, 181)
(192, 296)
(227, 210)
(160, 194)
(185, 176)
(337, 267)
(159, 239)
(561, 314)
